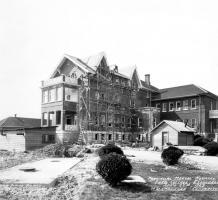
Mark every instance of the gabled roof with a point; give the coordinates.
(178, 126)
(80, 63)
(135, 71)
(20, 122)
(95, 60)
(149, 87)
(83, 66)
(181, 91)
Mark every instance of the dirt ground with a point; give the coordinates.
(73, 183)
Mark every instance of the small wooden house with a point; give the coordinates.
(21, 134)
(174, 132)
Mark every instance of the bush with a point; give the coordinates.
(212, 148)
(171, 155)
(109, 148)
(197, 136)
(114, 168)
(201, 141)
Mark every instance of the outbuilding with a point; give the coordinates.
(22, 134)
(174, 132)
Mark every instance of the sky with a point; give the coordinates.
(174, 41)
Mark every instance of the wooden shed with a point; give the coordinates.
(21, 134)
(176, 133)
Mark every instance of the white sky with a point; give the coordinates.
(175, 41)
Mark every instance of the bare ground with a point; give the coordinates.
(79, 180)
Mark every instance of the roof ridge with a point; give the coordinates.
(4, 121)
(178, 86)
(201, 88)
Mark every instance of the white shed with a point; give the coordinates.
(176, 133)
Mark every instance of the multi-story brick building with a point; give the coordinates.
(190, 104)
(90, 99)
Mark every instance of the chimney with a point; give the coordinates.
(147, 79)
(116, 68)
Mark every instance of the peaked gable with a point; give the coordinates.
(96, 60)
(68, 63)
(135, 79)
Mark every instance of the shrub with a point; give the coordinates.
(201, 141)
(171, 155)
(109, 148)
(197, 136)
(212, 148)
(114, 168)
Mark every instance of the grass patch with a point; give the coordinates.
(156, 176)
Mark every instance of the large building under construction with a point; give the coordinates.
(86, 99)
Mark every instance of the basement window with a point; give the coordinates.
(46, 138)
(19, 133)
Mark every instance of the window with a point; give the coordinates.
(193, 104)
(59, 94)
(110, 137)
(71, 94)
(58, 117)
(102, 136)
(123, 137)
(117, 136)
(122, 121)
(154, 122)
(51, 95)
(44, 119)
(171, 106)
(129, 123)
(193, 123)
(117, 80)
(45, 96)
(70, 119)
(178, 105)
(97, 95)
(133, 102)
(148, 94)
(102, 119)
(50, 119)
(185, 105)
(73, 75)
(46, 138)
(164, 107)
(96, 136)
(158, 105)
(102, 96)
(140, 122)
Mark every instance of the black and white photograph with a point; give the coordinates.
(108, 100)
